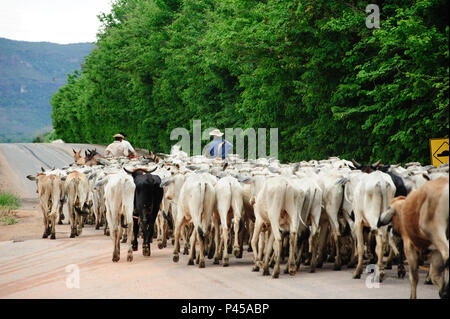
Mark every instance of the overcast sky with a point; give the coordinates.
(59, 21)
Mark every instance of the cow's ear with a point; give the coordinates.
(166, 182)
(426, 177)
(74, 151)
(31, 177)
(42, 169)
(245, 180)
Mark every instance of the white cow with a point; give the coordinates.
(195, 205)
(278, 206)
(119, 199)
(372, 196)
(230, 206)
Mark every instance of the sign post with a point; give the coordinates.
(439, 151)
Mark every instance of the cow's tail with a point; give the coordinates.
(54, 208)
(122, 222)
(202, 199)
(384, 203)
(308, 209)
(168, 217)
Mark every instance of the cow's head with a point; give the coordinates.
(139, 171)
(77, 157)
(367, 168)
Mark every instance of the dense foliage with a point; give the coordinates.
(30, 72)
(310, 68)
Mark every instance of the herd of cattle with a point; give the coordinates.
(310, 212)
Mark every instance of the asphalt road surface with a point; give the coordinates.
(31, 267)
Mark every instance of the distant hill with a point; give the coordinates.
(30, 72)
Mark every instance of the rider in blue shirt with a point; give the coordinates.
(218, 143)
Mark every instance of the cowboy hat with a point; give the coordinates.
(216, 132)
(119, 135)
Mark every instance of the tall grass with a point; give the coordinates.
(8, 203)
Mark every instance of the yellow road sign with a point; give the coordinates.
(439, 151)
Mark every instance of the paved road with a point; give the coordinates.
(21, 159)
(31, 267)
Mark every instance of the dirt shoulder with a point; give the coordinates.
(29, 226)
(7, 177)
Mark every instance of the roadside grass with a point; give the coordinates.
(8, 220)
(8, 203)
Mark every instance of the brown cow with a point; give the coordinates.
(422, 220)
(50, 190)
(78, 158)
(76, 188)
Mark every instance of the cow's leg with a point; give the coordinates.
(267, 255)
(61, 213)
(179, 225)
(147, 232)
(360, 243)
(401, 272)
(45, 220)
(379, 249)
(186, 233)
(53, 232)
(277, 252)
(323, 234)
(201, 251)
(251, 227)
(335, 233)
(413, 264)
(313, 241)
(440, 240)
(211, 247)
(80, 224)
(73, 219)
(165, 230)
(436, 267)
(124, 236)
(116, 237)
(225, 233)
(159, 228)
(130, 231)
(292, 249)
(262, 242)
(241, 235)
(255, 238)
(192, 250)
(238, 211)
(106, 231)
(97, 213)
(236, 246)
(134, 243)
(216, 222)
(390, 258)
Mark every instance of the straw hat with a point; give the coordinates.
(119, 135)
(216, 132)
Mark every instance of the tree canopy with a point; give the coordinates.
(311, 68)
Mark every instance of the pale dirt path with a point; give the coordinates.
(31, 267)
(36, 268)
